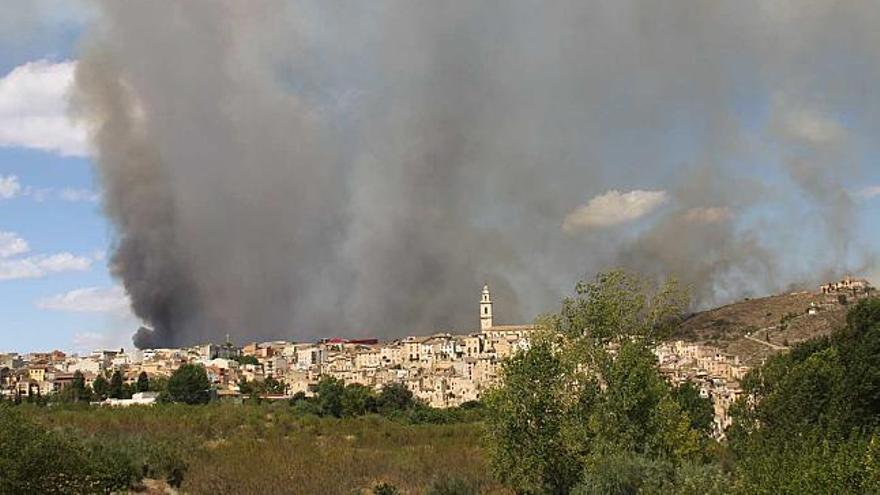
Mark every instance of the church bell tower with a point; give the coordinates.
(485, 309)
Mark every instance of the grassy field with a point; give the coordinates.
(268, 448)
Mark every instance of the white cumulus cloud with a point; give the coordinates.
(40, 194)
(78, 195)
(11, 244)
(41, 265)
(614, 208)
(9, 187)
(33, 109)
(89, 300)
(64, 262)
(13, 265)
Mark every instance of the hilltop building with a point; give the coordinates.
(849, 285)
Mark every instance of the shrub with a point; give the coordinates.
(385, 489)
(111, 465)
(449, 485)
(623, 473)
(36, 460)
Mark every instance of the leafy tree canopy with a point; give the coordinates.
(189, 384)
(246, 360)
(588, 388)
(810, 418)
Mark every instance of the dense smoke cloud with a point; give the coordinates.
(303, 169)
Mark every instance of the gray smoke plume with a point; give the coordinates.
(313, 168)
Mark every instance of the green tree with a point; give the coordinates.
(100, 387)
(117, 386)
(273, 386)
(329, 392)
(143, 382)
(357, 400)
(527, 424)
(158, 384)
(589, 388)
(809, 419)
(638, 413)
(189, 384)
(700, 410)
(394, 397)
(246, 360)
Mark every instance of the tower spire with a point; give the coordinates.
(485, 309)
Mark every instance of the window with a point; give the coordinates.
(485, 310)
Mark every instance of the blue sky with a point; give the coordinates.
(55, 288)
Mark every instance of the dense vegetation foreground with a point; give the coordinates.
(584, 410)
(225, 448)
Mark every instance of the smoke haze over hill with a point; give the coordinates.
(307, 168)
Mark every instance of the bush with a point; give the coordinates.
(304, 407)
(385, 489)
(111, 465)
(623, 473)
(36, 460)
(267, 448)
(620, 473)
(448, 485)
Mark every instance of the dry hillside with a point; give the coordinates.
(756, 328)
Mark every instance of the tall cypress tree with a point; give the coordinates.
(117, 391)
(143, 382)
(100, 387)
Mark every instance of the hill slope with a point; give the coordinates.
(756, 328)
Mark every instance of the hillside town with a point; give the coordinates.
(442, 370)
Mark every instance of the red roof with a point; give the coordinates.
(340, 340)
